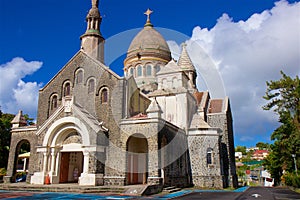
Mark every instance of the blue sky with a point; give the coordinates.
(248, 42)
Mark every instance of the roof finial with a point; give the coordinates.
(95, 3)
(148, 13)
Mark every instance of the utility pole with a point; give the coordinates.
(295, 164)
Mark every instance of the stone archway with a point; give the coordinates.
(21, 161)
(137, 159)
(65, 139)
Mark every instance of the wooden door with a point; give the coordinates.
(132, 174)
(135, 178)
(64, 167)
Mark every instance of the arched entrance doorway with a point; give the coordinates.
(66, 148)
(71, 158)
(137, 159)
(21, 161)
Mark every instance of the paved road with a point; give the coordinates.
(262, 193)
(259, 193)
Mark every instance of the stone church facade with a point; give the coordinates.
(151, 126)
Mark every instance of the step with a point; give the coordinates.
(171, 189)
(174, 190)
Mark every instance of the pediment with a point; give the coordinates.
(69, 108)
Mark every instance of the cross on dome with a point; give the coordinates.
(148, 13)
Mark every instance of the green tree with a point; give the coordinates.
(28, 119)
(262, 145)
(5, 136)
(241, 149)
(5, 127)
(283, 97)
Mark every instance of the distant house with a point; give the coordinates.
(238, 155)
(260, 154)
(252, 149)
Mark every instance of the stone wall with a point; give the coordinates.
(224, 122)
(208, 181)
(91, 69)
(203, 173)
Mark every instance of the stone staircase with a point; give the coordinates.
(171, 189)
(63, 188)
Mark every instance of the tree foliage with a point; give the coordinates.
(283, 97)
(5, 127)
(5, 136)
(262, 145)
(241, 149)
(28, 119)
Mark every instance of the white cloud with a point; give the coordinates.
(15, 94)
(247, 54)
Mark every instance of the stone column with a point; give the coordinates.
(86, 158)
(45, 163)
(53, 161)
(154, 176)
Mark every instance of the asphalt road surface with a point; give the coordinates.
(252, 193)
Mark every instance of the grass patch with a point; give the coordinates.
(297, 190)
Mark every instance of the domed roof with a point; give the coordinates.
(148, 43)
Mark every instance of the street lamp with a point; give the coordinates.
(295, 164)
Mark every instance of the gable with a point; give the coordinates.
(93, 75)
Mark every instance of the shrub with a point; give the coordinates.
(2, 171)
(291, 179)
(20, 174)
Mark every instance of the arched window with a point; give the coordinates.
(91, 86)
(131, 71)
(209, 156)
(157, 68)
(54, 102)
(79, 76)
(139, 70)
(149, 70)
(67, 89)
(104, 95)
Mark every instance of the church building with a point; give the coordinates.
(150, 126)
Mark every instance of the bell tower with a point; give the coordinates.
(92, 41)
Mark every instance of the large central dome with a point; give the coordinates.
(148, 44)
(146, 55)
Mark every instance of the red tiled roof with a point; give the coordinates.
(198, 96)
(139, 116)
(216, 106)
(261, 151)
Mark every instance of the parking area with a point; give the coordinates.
(265, 193)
